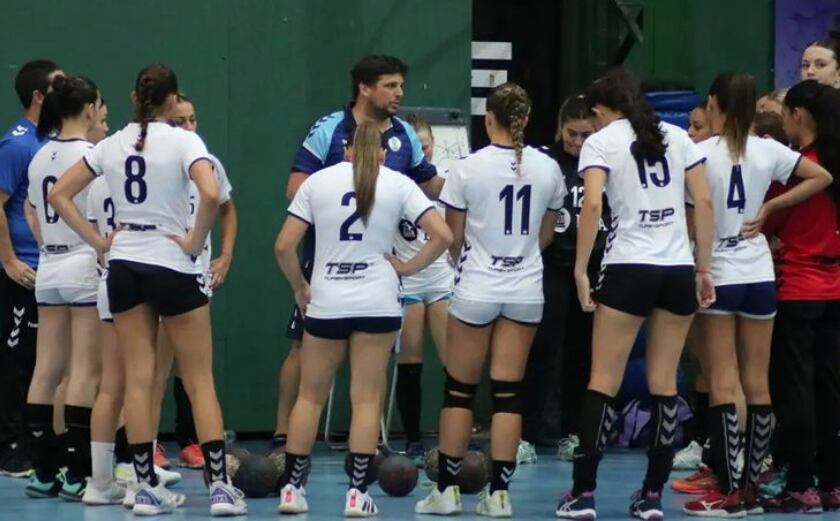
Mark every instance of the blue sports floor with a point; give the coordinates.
(534, 494)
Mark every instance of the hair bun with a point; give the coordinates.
(60, 82)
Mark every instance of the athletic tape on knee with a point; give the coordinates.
(507, 396)
(458, 394)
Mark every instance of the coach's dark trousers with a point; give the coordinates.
(805, 388)
(18, 333)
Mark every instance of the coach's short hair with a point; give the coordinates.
(33, 76)
(371, 67)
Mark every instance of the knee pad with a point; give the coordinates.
(458, 395)
(507, 396)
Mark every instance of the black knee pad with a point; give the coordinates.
(464, 397)
(507, 396)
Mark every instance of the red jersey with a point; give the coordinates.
(808, 261)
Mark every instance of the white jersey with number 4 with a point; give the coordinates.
(647, 200)
(351, 276)
(46, 168)
(150, 191)
(738, 192)
(500, 260)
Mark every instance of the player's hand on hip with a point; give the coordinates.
(302, 298)
(20, 272)
(402, 268)
(753, 227)
(188, 243)
(219, 269)
(585, 293)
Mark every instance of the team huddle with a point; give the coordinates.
(702, 238)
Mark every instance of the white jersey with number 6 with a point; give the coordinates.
(351, 276)
(150, 191)
(738, 192)
(46, 168)
(500, 260)
(647, 200)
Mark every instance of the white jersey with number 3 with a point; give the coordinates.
(647, 200)
(150, 191)
(46, 168)
(738, 192)
(351, 276)
(500, 260)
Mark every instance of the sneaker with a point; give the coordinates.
(831, 499)
(152, 501)
(774, 485)
(807, 502)
(689, 458)
(15, 462)
(496, 504)
(749, 496)
(416, 452)
(38, 489)
(160, 457)
(647, 506)
(701, 482)
(104, 494)
(526, 453)
(130, 491)
(566, 447)
(441, 503)
(577, 507)
(292, 500)
(191, 457)
(226, 500)
(716, 504)
(359, 504)
(72, 489)
(124, 473)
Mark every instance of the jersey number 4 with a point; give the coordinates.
(508, 198)
(735, 196)
(136, 189)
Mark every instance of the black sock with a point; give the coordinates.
(757, 442)
(409, 399)
(597, 417)
(706, 455)
(295, 469)
(663, 421)
(142, 455)
(78, 441)
(360, 463)
(502, 474)
(59, 449)
(214, 460)
(121, 452)
(701, 417)
(448, 469)
(39, 424)
(184, 421)
(723, 428)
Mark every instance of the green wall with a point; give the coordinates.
(260, 72)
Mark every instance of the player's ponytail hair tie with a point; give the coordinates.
(511, 107)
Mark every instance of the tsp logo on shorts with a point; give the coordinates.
(408, 230)
(564, 220)
(394, 143)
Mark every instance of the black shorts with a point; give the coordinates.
(341, 328)
(294, 330)
(167, 291)
(638, 289)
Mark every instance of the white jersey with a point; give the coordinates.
(150, 191)
(500, 260)
(738, 192)
(46, 168)
(351, 277)
(439, 275)
(224, 196)
(647, 200)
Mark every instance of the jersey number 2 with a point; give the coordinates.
(49, 214)
(524, 195)
(735, 197)
(344, 232)
(135, 169)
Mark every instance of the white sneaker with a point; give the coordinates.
(566, 447)
(526, 453)
(124, 472)
(152, 501)
(130, 490)
(689, 458)
(226, 500)
(292, 500)
(496, 504)
(441, 503)
(359, 504)
(109, 493)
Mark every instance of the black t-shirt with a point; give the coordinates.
(561, 252)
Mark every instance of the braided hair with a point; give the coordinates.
(155, 83)
(511, 106)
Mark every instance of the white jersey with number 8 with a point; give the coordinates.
(500, 260)
(150, 191)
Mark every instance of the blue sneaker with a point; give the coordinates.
(647, 506)
(72, 490)
(38, 489)
(416, 452)
(581, 506)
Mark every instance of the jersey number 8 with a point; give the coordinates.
(135, 169)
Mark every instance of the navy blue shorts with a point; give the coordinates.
(753, 300)
(294, 329)
(341, 328)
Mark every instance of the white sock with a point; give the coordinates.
(102, 461)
